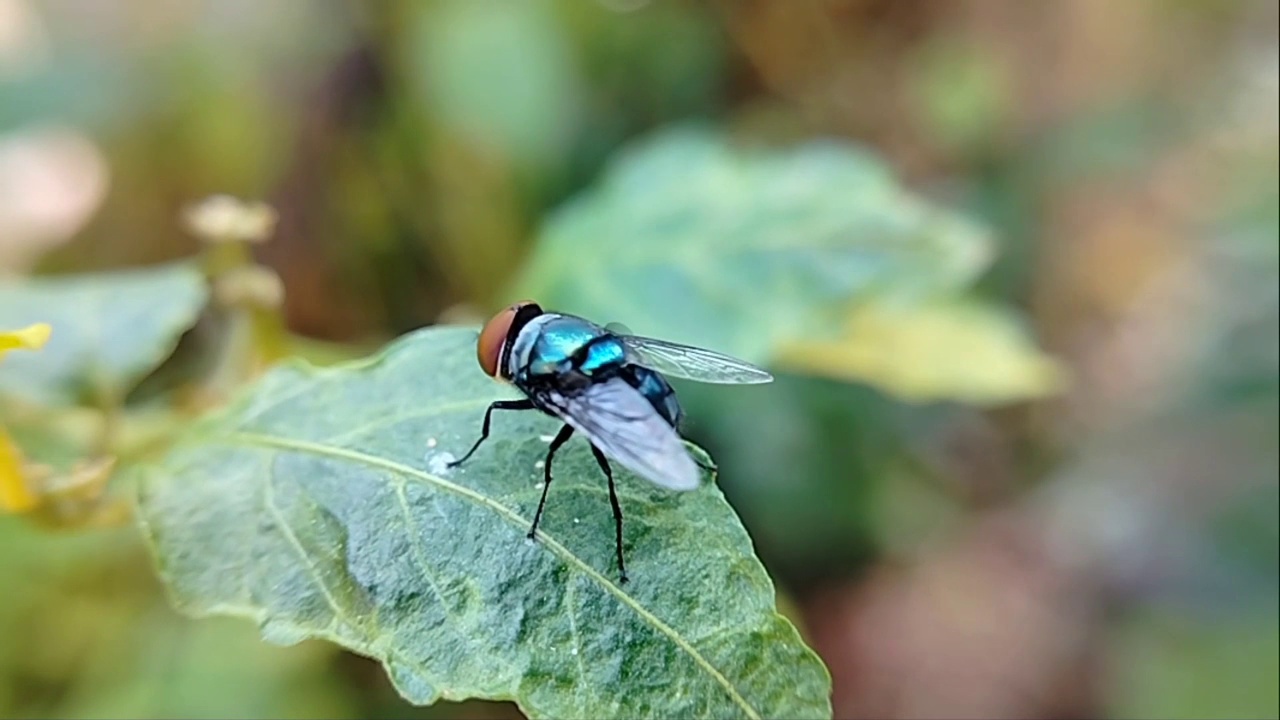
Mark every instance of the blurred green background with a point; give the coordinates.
(1107, 551)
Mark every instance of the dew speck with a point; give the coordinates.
(538, 486)
(573, 651)
(438, 462)
(540, 464)
(576, 521)
(546, 438)
(432, 442)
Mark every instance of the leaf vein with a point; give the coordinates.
(385, 422)
(572, 614)
(339, 612)
(305, 446)
(269, 500)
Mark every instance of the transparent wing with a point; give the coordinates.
(686, 361)
(622, 423)
(618, 328)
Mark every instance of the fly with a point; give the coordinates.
(607, 385)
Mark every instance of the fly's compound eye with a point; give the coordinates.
(493, 337)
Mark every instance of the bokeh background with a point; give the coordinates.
(1110, 550)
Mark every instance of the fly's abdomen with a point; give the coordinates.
(657, 391)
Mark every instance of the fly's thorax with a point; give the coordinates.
(554, 344)
(517, 361)
(604, 353)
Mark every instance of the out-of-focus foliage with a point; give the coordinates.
(1095, 536)
(112, 330)
(763, 253)
(756, 247)
(86, 624)
(911, 351)
(312, 507)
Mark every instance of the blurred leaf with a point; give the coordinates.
(951, 350)
(175, 667)
(663, 62)
(501, 75)
(110, 329)
(739, 249)
(314, 506)
(73, 90)
(1163, 666)
(56, 439)
(963, 92)
(799, 459)
(88, 634)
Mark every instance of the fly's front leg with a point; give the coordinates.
(561, 438)
(484, 429)
(603, 462)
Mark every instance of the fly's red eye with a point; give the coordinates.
(493, 337)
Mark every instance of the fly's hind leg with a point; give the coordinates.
(484, 428)
(561, 438)
(603, 462)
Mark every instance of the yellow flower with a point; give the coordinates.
(15, 494)
(32, 337)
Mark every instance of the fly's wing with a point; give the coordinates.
(692, 363)
(622, 423)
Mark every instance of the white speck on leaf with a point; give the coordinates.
(539, 464)
(432, 442)
(546, 438)
(438, 463)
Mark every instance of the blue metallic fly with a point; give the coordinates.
(606, 385)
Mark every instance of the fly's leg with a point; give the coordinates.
(484, 429)
(603, 462)
(561, 438)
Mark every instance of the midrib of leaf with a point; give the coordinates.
(355, 456)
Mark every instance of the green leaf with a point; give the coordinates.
(109, 330)
(691, 238)
(319, 505)
(1171, 665)
(502, 76)
(90, 629)
(956, 349)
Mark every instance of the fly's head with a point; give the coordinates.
(493, 349)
